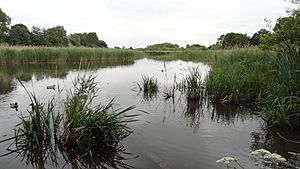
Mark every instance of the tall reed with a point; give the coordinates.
(27, 55)
(192, 84)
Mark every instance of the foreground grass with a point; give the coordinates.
(31, 55)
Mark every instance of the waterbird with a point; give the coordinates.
(51, 87)
(14, 105)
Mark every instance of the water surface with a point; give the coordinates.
(174, 134)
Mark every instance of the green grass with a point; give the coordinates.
(34, 55)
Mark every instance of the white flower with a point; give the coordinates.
(226, 160)
(275, 158)
(260, 152)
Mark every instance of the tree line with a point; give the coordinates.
(19, 34)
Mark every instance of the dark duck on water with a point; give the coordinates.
(14, 106)
(51, 87)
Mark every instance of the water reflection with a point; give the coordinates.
(193, 113)
(47, 154)
(110, 157)
(229, 114)
(7, 84)
(41, 71)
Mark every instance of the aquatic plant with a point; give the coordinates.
(88, 126)
(149, 84)
(192, 83)
(40, 126)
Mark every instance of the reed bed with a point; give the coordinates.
(267, 79)
(33, 55)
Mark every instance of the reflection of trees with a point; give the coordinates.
(6, 84)
(268, 138)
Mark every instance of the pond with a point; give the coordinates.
(173, 134)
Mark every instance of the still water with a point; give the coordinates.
(174, 134)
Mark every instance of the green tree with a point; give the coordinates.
(86, 39)
(75, 39)
(56, 36)
(19, 35)
(102, 44)
(162, 46)
(196, 46)
(286, 33)
(255, 39)
(4, 25)
(38, 36)
(233, 39)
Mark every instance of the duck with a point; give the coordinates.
(51, 87)
(14, 105)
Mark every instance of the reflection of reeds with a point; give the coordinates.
(109, 157)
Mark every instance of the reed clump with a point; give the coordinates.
(148, 84)
(192, 84)
(88, 126)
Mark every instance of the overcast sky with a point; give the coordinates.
(138, 23)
